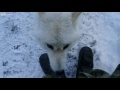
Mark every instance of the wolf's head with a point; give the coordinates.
(57, 33)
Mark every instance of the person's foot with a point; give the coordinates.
(45, 64)
(85, 62)
(116, 73)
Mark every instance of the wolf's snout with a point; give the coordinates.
(57, 60)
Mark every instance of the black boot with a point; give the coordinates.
(45, 64)
(116, 73)
(85, 62)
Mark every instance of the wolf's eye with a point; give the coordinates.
(66, 46)
(50, 46)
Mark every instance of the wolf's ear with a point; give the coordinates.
(75, 15)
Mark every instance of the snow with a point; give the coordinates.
(104, 28)
(20, 52)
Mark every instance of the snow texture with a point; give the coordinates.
(20, 52)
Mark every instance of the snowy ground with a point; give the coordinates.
(19, 51)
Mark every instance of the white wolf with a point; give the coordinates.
(57, 32)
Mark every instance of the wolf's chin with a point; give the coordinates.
(57, 61)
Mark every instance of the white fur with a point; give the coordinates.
(57, 29)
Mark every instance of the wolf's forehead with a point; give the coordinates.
(58, 23)
(56, 17)
(57, 14)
